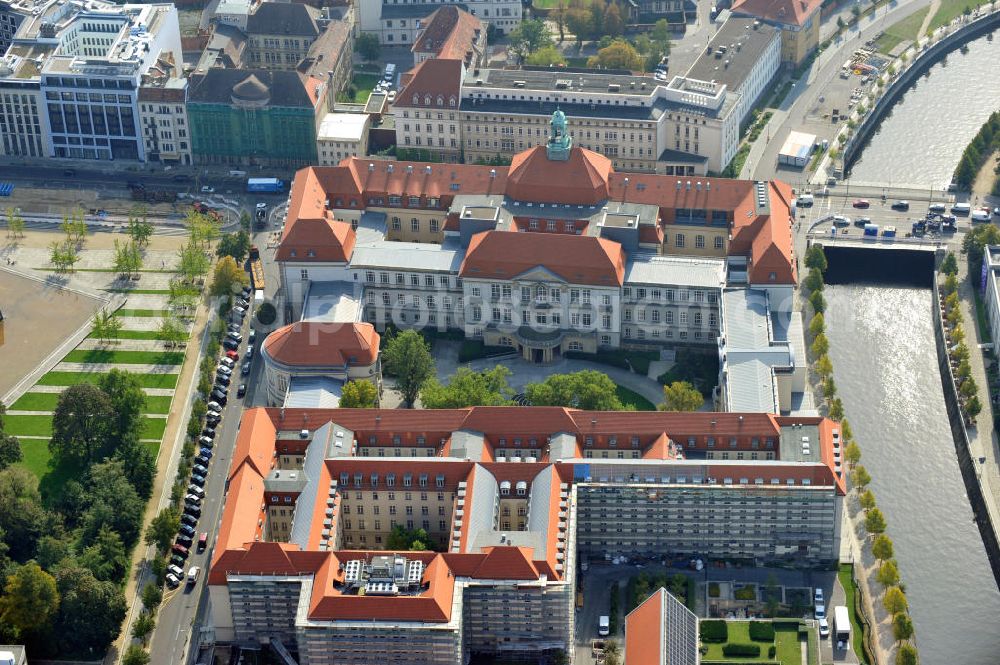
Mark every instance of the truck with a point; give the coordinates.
(272, 185)
(871, 230)
(889, 232)
(604, 625)
(841, 626)
(256, 269)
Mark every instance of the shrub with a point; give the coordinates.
(713, 589)
(472, 349)
(771, 651)
(714, 630)
(761, 631)
(748, 592)
(266, 314)
(738, 649)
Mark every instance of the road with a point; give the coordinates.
(183, 609)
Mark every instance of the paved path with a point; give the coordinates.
(865, 568)
(126, 345)
(107, 367)
(935, 5)
(151, 392)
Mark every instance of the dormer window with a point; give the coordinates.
(311, 253)
(292, 253)
(451, 101)
(440, 100)
(427, 100)
(416, 99)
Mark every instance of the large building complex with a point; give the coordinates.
(400, 23)
(507, 497)
(70, 80)
(661, 631)
(451, 33)
(797, 20)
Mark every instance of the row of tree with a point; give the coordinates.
(894, 597)
(64, 551)
(958, 350)
(983, 145)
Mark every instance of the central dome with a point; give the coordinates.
(251, 90)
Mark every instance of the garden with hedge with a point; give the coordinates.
(735, 642)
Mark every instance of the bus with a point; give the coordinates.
(273, 185)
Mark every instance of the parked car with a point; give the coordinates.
(193, 510)
(197, 480)
(228, 362)
(184, 541)
(223, 370)
(252, 337)
(824, 628)
(201, 460)
(206, 189)
(187, 531)
(231, 345)
(176, 559)
(219, 394)
(179, 549)
(245, 369)
(205, 452)
(937, 207)
(249, 353)
(242, 390)
(213, 419)
(205, 441)
(901, 205)
(200, 470)
(861, 203)
(175, 570)
(242, 302)
(860, 222)
(240, 310)
(188, 520)
(820, 611)
(193, 574)
(202, 541)
(192, 499)
(172, 581)
(818, 596)
(232, 354)
(197, 491)
(208, 432)
(222, 380)
(841, 220)
(234, 335)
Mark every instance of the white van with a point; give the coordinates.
(981, 215)
(805, 201)
(961, 208)
(604, 625)
(237, 174)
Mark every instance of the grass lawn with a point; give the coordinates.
(152, 428)
(544, 4)
(637, 401)
(36, 459)
(125, 357)
(857, 638)
(133, 334)
(28, 425)
(141, 312)
(47, 402)
(73, 378)
(981, 321)
(948, 10)
(905, 30)
(157, 403)
(363, 85)
(786, 638)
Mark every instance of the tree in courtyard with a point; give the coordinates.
(15, 224)
(882, 548)
(162, 529)
(660, 35)
(867, 500)
(368, 46)
(10, 447)
(824, 367)
(816, 258)
(817, 301)
(949, 265)
(531, 35)
(358, 394)
(545, 57)
(30, 600)
(143, 627)
(820, 345)
(401, 538)
(860, 477)
(236, 245)
(63, 256)
(228, 277)
(888, 574)
(588, 389)
(128, 258)
(128, 400)
(613, 23)
(817, 324)
(106, 325)
(852, 453)
(468, 388)
(171, 330)
(558, 14)
(408, 357)
(139, 230)
(875, 522)
(681, 396)
(135, 655)
(902, 627)
(80, 425)
(619, 54)
(894, 600)
(836, 411)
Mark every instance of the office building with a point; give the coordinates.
(399, 23)
(342, 135)
(451, 33)
(280, 34)
(11, 15)
(661, 631)
(797, 20)
(509, 497)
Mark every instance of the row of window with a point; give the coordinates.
(696, 318)
(360, 510)
(669, 295)
(425, 525)
(390, 479)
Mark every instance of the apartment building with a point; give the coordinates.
(797, 20)
(400, 23)
(426, 109)
(315, 493)
(87, 64)
(744, 55)
(451, 33)
(163, 115)
(280, 34)
(342, 135)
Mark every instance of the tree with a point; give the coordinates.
(867, 500)
(817, 301)
(139, 230)
(358, 394)
(964, 370)
(888, 574)
(152, 596)
(401, 538)
(182, 295)
(127, 400)
(22, 518)
(968, 388)
(817, 325)
(202, 229)
(15, 224)
(106, 558)
(139, 464)
(949, 266)
(829, 388)
(894, 600)
(816, 258)
(820, 345)
(113, 502)
(882, 547)
(80, 425)
(617, 55)
(836, 411)
(236, 245)
(193, 262)
(860, 477)
(171, 330)
(368, 46)
(228, 278)
(10, 447)
(950, 284)
(660, 34)
(408, 357)
(902, 627)
(846, 434)
(266, 314)
(63, 256)
(973, 406)
(128, 258)
(91, 611)
(681, 396)
(143, 627)
(973, 246)
(558, 14)
(579, 22)
(613, 23)
(30, 600)
(824, 367)
(588, 389)
(106, 325)
(529, 37)
(468, 388)
(135, 654)
(162, 529)
(814, 280)
(545, 57)
(875, 522)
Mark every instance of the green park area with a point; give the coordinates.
(904, 30)
(753, 641)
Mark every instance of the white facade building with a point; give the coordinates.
(342, 135)
(398, 23)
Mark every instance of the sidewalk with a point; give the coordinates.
(865, 569)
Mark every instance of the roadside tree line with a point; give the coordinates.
(894, 591)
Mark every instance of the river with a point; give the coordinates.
(921, 140)
(885, 367)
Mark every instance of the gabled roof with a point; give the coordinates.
(450, 33)
(506, 563)
(581, 180)
(254, 443)
(644, 628)
(283, 18)
(789, 12)
(576, 259)
(311, 233)
(432, 84)
(323, 344)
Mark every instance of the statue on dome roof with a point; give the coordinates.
(560, 142)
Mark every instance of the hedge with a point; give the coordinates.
(737, 649)
(472, 349)
(761, 631)
(714, 630)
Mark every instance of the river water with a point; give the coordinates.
(921, 140)
(885, 366)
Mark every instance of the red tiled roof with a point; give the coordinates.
(254, 443)
(506, 563)
(789, 12)
(450, 33)
(575, 259)
(644, 631)
(320, 344)
(581, 180)
(437, 81)
(311, 233)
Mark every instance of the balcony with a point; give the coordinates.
(539, 339)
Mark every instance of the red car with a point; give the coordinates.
(861, 203)
(233, 355)
(179, 549)
(202, 541)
